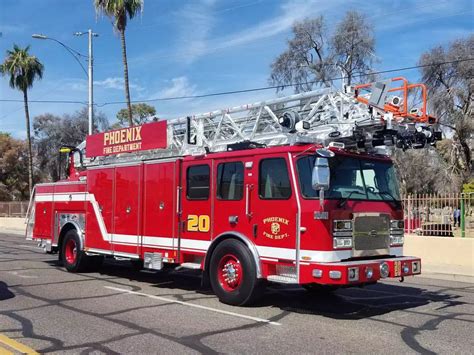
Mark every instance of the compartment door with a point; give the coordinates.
(159, 205)
(126, 230)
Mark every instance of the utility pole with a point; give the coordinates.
(90, 75)
(91, 86)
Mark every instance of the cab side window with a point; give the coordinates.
(197, 182)
(230, 181)
(274, 183)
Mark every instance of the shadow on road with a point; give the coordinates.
(349, 303)
(5, 293)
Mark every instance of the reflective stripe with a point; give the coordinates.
(315, 255)
(202, 245)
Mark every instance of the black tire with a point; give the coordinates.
(320, 289)
(72, 256)
(242, 287)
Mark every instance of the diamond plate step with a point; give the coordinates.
(283, 279)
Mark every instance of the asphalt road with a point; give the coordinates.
(123, 311)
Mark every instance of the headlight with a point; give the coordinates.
(340, 243)
(384, 270)
(397, 224)
(343, 225)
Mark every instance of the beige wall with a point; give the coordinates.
(442, 255)
(12, 223)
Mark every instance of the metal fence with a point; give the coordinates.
(439, 215)
(13, 209)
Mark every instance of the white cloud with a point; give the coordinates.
(116, 83)
(195, 23)
(177, 87)
(111, 83)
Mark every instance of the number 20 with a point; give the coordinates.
(197, 223)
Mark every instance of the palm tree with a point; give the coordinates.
(120, 11)
(23, 70)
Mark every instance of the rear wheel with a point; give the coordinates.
(73, 258)
(233, 274)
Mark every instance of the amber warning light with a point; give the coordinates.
(137, 138)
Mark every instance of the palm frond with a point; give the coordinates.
(22, 68)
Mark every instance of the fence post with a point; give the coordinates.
(463, 218)
(409, 215)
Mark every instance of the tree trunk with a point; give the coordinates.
(125, 75)
(28, 140)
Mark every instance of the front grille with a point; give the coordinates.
(371, 232)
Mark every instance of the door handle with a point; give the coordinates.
(178, 200)
(248, 189)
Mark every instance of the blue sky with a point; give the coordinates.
(193, 47)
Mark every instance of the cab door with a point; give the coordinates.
(274, 208)
(196, 225)
(229, 215)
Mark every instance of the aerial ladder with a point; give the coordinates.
(369, 117)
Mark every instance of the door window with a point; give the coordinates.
(230, 181)
(197, 182)
(274, 183)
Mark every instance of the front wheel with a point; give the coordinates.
(233, 274)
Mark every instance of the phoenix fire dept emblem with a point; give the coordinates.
(277, 227)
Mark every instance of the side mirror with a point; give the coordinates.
(321, 175)
(320, 178)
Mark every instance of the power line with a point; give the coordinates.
(280, 86)
(230, 92)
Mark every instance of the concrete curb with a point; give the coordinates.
(446, 277)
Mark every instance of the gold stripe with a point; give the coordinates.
(16, 345)
(4, 351)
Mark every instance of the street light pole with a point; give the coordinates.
(91, 86)
(89, 73)
(90, 35)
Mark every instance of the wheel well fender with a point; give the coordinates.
(237, 236)
(66, 228)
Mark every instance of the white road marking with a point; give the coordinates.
(16, 273)
(164, 299)
(29, 246)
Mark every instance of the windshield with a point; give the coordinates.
(357, 179)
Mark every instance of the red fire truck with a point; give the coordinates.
(292, 190)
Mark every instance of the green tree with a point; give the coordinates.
(469, 187)
(141, 113)
(120, 11)
(23, 70)
(451, 93)
(51, 132)
(13, 174)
